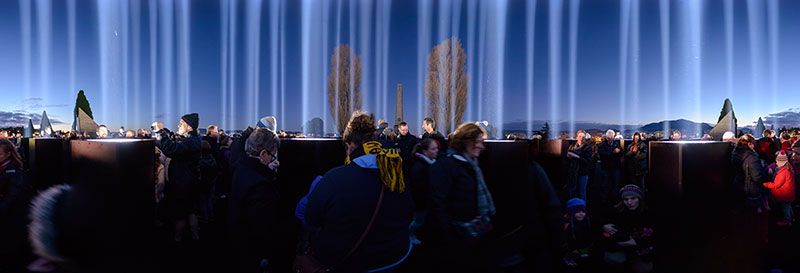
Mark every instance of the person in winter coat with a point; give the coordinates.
(630, 232)
(767, 147)
(610, 159)
(786, 143)
(406, 142)
(15, 195)
(429, 126)
(748, 173)
(253, 213)
(344, 201)
(424, 157)
(636, 160)
(579, 157)
(782, 188)
(578, 231)
(183, 174)
(461, 206)
(237, 147)
(209, 175)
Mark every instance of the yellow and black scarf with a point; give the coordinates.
(390, 165)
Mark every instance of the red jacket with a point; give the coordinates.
(783, 186)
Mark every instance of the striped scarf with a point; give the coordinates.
(485, 201)
(390, 165)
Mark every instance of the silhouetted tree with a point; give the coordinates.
(82, 103)
(344, 85)
(446, 85)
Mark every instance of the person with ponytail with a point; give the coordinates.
(362, 208)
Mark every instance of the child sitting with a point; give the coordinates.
(577, 229)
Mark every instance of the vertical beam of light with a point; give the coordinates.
(224, 20)
(274, 13)
(323, 59)
(25, 41)
(423, 42)
(443, 26)
(253, 57)
(665, 59)
(364, 35)
(166, 14)
(338, 43)
(755, 10)
(482, 78)
(152, 6)
(283, 64)
(634, 58)
(624, 28)
(124, 33)
(185, 68)
(232, 23)
(574, 15)
(773, 22)
(555, 64)
(71, 46)
(352, 29)
(728, 7)
(530, 23)
(307, 14)
(693, 43)
(379, 91)
(500, 57)
(44, 21)
(387, 20)
(455, 25)
(471, 50)
(104, 27)
(136, 31)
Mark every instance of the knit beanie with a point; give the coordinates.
(631, 190)
(268, 122)
(574, 205)
(782, 157)
(192, 119)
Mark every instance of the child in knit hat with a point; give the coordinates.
(578, 230)
(782, 189)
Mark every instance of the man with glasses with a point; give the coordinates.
(254, 217)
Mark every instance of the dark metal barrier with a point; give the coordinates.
(47, 161)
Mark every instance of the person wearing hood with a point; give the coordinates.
(461, 206)
(362, 208)
(578, 232)
(782, 188)
(253, 212)
(183, 173)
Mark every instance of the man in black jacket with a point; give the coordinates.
(610, 154)
(429, 125)
(253, 210)
(184, 172)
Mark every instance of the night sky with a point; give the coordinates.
(225, 60)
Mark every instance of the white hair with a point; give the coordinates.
(728, 135)
(610, 133)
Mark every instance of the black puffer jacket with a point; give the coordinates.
(748, 173)
(608, 159)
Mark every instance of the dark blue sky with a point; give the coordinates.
(113, 65)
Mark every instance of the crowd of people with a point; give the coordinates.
(396, 196)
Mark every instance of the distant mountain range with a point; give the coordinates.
(687, 127)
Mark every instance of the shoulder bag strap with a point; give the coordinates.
(366, 230)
